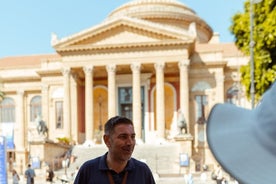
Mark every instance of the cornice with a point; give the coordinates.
(125, 46)
(55, 72)
(20, 79)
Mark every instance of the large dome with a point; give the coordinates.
(153, 8)
(167, 12)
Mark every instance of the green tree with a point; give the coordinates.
(2, 94)
(264, 35)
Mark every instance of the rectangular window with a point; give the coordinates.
(59, 114)
(125, 102)
(201, 102)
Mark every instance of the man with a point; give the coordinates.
(116, 166)
(30, 174)
(244, 141)
(49, 175)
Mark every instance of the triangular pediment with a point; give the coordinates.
(120, 32)
(123, 34)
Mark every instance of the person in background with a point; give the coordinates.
(116, 166)
(30, 174)
(15, 177)
(219, 174)
(243, 140)
(203, 175)
(50, 175)
(188, 177)
(74, 174)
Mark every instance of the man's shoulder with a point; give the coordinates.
(142, 161)
(138, 163)
(92, 162)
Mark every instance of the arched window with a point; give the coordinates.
(7, 110)
(35, 108)
(201, 101)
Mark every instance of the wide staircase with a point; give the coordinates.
(162, 159)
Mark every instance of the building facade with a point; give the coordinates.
(149, 60)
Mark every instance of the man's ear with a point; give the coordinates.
(106, 140)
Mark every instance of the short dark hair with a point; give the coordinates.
(114, 121)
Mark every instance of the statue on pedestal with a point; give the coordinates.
(181, 123)
(41, 126)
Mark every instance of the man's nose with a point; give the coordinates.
(130, 140)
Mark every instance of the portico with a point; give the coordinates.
(145, 105)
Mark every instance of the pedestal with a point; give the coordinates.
(185, 142)
(48, 152)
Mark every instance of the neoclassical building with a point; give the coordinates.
(149, 60)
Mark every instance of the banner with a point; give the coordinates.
(35, 162)
(7, 131)
(3, 161)
(183, 160)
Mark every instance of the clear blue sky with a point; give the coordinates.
(26, 25)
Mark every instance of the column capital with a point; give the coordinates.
(135, 67)
(66, 71)
(88, 69)
(111, 68)
(159, 65)
(184, 63)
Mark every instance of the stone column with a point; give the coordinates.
(20, 133)
(89, 111)
(136, 97)
(111, 70)
(66, 102)
(45, 107)
(184, 90)
(160, 99)
(74, 81)
(219, 76)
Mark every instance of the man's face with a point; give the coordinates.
(121, 142)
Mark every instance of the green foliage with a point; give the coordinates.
(265, 44)
(64, 140)
(2, 95)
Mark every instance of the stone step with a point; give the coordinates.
(162, 159)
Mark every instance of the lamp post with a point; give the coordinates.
(251, 45)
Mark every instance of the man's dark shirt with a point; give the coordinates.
(95, 172)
